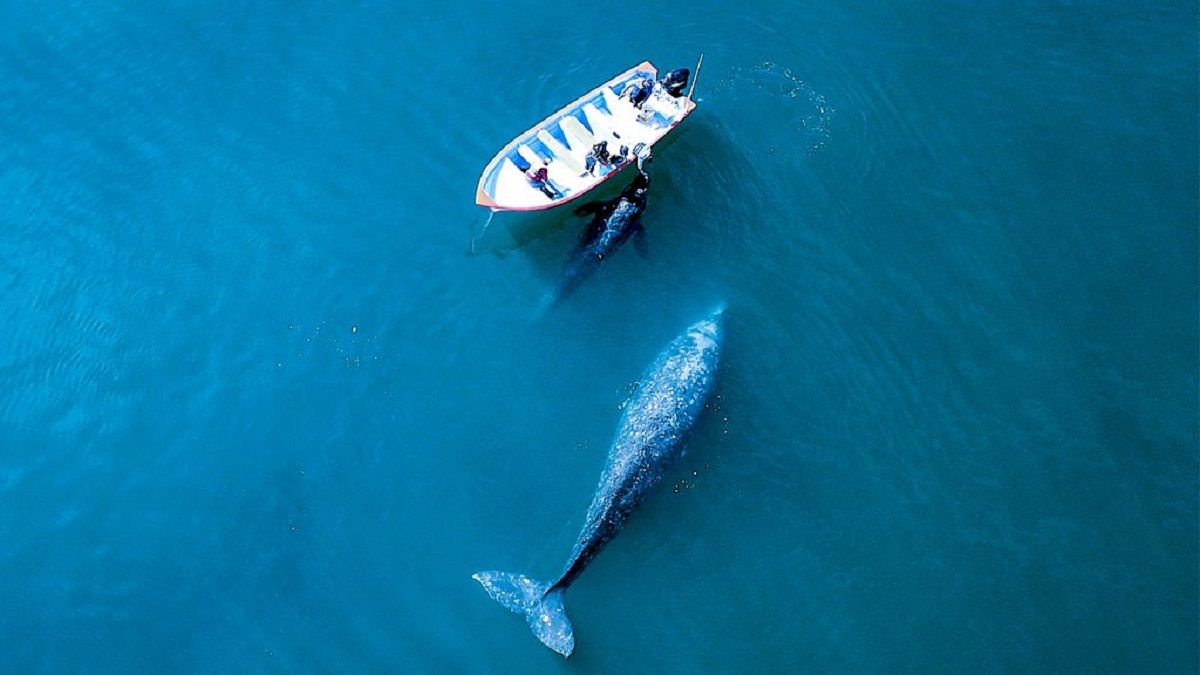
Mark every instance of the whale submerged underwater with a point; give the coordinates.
(672, 392)
(613, 222)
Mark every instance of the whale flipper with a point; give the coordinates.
(541, 605)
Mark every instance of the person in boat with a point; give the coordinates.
(641, 154)
(540, 180)
(675, 82)
(600, 156)
(639, 92)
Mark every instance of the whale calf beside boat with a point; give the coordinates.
(613, 222)
(665, 405)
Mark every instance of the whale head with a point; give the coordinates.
(708, 332)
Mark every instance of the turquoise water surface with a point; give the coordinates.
(266, 409)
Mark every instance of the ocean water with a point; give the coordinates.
(265, 407)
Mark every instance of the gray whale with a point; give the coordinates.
(613, 223)
(663, 408)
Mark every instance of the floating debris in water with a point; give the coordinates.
(318, 343)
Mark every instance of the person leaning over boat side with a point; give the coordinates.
(641, 154)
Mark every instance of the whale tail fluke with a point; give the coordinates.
(540, 604)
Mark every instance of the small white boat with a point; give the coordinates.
(561, 144)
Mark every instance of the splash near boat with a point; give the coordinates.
(587, 142)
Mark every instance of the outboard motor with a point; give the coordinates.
(676, 81)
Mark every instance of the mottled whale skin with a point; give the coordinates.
(665, 405)
(613, 222)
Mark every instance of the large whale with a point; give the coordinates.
(613, 222)
(664, 406)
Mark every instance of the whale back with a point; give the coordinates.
(669, 398)
(617, 227)
(608, 232)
